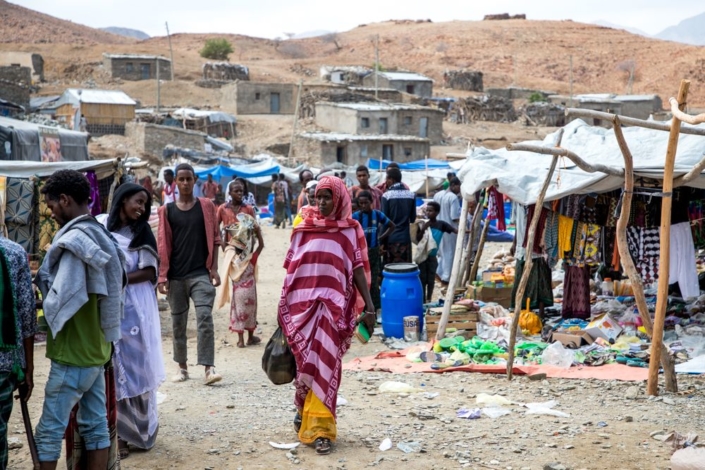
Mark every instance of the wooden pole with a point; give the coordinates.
(377, 67)
(296, 122)
(665, 245)
(524, 281)
(159, 91)
(627, 121)
(518, 299)
(561, 152)
(626, 259)
(171, 51)
(476, 218)
(480, 248)
(453, 274)
(426, 161)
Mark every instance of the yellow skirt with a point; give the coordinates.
(316, 421)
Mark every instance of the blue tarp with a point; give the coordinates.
(433, 164)
(223, 174)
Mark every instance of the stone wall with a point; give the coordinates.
(152, 138)
(24, 59)
(257, 98)
(15, 84)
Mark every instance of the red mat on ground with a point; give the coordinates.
(396, 362)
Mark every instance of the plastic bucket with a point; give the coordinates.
(402, 296)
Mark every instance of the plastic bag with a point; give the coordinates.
(495, 412)
(545, 408)
(557, 355)
(491, 400)
(397, 387)
(278, 361)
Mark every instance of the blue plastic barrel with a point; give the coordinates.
(402, 296)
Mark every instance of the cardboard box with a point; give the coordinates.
(604, 327)
(572, 339)
(500, 295)
(487, 275)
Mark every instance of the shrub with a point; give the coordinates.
(217, 49)
(536, 97)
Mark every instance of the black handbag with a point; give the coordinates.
(278, 361)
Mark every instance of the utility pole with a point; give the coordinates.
(377, 67)
(296, 122)
(171, 51)
(571, 81)
(159, 97)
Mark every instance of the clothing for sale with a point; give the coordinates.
(519, 220)
(538, 236)
(550, 238)
(539, 288)
(682, 261)
(565, 231)
(495, 208)
(576, 292)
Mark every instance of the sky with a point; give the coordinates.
(273, 18)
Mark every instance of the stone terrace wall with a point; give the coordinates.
(15, 83)
(152, 138)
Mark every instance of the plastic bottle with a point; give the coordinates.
(607, 287)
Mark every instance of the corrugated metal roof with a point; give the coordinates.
(406, 76)
(338, 137)
(75, 96)
(372, 106)
(135, 57)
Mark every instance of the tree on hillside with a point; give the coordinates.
(217, 49)
(628, 66)
(332, 38)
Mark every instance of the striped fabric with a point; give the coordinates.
(319, 302)
(317, 311)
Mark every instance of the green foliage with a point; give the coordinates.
(536, 97)
(378, 67)
(217, 49)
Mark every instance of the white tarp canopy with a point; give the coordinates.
(213, 116)
(520, 175)
(27, 169)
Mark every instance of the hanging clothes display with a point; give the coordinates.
(19, 212)
(495, 208)
(681, 265)
(94, 205)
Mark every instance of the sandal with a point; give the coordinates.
(123, 450)
(182, 376)
(297, 422)
(253, 340)
(322, 446)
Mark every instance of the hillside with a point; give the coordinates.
(533, 54)
(689, 31)
(22, 25)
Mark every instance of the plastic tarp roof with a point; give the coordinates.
(520, 175)
(20, 140)
(433, 164)
(75, 96)
(223, 174)
(213, 116)
(15, 169)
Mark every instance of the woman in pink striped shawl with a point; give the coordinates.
(325, 289)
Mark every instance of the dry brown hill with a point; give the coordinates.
(22, 25)
(533, 54)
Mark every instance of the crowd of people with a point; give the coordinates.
(100, 278)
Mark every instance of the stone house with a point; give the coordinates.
(321, 149)
(407, 82)
(105, 111)
(344, 74)
(137, 67)
(16, 85)
(153, 138)
(245, 97)
(35, 62)
(381, 118)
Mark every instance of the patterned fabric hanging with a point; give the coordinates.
(19, 215)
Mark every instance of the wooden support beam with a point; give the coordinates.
(693, 174)
(681, 116)
(480, 248)
(528, 263)
(561, 152)
(627, 121)
(524, 281)
(454, 273)
(665, 245)
(476, 218)
(626, 259)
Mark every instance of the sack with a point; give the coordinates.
(278, 361)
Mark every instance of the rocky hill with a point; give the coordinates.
(127, 32)
(535, 54)
(21, 25)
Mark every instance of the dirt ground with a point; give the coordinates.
(230, 425)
